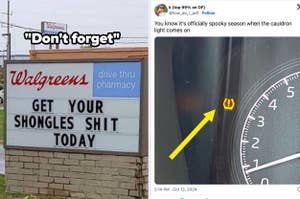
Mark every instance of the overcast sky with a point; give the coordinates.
(88, 16)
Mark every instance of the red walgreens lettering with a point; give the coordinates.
(40, 80)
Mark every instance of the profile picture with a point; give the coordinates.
(161, 10)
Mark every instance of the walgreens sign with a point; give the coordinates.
(76, 106)
(39, 79)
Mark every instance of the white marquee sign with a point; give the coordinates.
(74, 106)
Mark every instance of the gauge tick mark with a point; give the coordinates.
(265, 96)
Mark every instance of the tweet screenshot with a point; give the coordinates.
(224, 99)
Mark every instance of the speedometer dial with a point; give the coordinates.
(269, 141)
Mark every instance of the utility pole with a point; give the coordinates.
(8, 32)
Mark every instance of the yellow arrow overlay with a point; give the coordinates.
(208, 117)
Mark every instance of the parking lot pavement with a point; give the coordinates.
(2, 160)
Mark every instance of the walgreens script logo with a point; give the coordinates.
(40, 80)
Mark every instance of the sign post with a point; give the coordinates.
(53, 28)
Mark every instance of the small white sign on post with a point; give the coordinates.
(74, 106)
(52, 27)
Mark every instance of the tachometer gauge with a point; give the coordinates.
(269, 138)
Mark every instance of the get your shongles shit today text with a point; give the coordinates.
(43, 116)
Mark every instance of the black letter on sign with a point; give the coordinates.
(56, 138)
(99, 106)
(114, 120)
(64, 139)
(88, 123)
(72, 104)
(17, 120)
(35, 106)
(73, 139)
(70, 122)
(91, 139)
(82, 141)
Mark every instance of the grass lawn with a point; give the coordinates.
(2, 185)
(4, 195)
(1, 124)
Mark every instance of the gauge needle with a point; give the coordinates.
(273, 163)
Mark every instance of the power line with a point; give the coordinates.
(18, 26)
